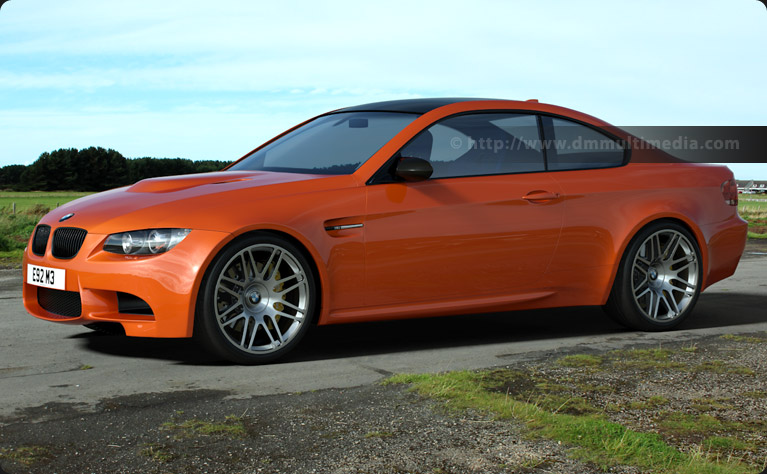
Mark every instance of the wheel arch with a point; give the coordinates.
(679, 219)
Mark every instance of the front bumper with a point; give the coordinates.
(167, 283)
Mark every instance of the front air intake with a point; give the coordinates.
(131, 304)
(61, 303)
(67, 242)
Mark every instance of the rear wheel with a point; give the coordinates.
(659, 278)
(257, 300)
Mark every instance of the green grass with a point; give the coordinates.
(594, 438)
(157, 452)
(644, 359)
(740, 338)
(688, 423)
(725, 443)
(580, 360)
(755, 394)
(11, 259)
(653, 402)
(754, 210)
(710, 404)
(25, 201)
(26, 455)
(721, 367)
(16, 228)
(231, 427)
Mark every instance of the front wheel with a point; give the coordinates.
(257, 300)
(659, 279)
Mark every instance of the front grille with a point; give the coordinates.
(40, 241)
(63, 303)
(67, 241)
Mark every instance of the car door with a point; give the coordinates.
(486, 223)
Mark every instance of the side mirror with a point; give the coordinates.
(413, 169)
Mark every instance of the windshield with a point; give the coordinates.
(331, 144)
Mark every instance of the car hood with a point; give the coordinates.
(189, 201)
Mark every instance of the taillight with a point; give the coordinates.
(730, 192)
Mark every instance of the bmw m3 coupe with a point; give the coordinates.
(393, 210)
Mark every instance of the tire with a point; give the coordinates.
(658, 281)
(255, 317)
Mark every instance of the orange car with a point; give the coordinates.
(393, 210)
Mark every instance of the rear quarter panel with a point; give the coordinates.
(606, 208)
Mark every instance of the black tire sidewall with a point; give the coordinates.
(207, 331)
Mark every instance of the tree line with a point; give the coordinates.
(94, 169)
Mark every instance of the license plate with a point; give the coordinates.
(48, 277)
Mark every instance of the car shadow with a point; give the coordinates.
(185, 351)
(329, 342)
(365, 339)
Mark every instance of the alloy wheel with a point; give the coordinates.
(665, 275)
(262, 298)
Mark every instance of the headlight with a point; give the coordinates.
(145, 242)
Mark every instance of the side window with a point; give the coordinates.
(573, 146)
(480, 144)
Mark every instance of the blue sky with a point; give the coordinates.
(211, 80)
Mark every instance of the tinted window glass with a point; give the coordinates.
(332, 144)
(480, 144)
(573, 146)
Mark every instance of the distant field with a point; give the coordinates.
(15, 229)
(753, 208)
(28, 200)
(754, 203)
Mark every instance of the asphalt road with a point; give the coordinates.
(44, 363)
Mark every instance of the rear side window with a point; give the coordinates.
(480, 144)
(574, 146)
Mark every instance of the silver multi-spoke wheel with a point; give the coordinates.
(257, 300)
(262, 296)
(659, 278)
(665, 275)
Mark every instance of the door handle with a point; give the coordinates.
(540, 196)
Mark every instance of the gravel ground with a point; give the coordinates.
(708, 395)
(387, 429)
(370, 429)
(716, 382)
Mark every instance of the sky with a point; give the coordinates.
(212, 80)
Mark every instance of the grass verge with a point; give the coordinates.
(595, 438)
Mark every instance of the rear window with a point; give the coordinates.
(573, 146)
